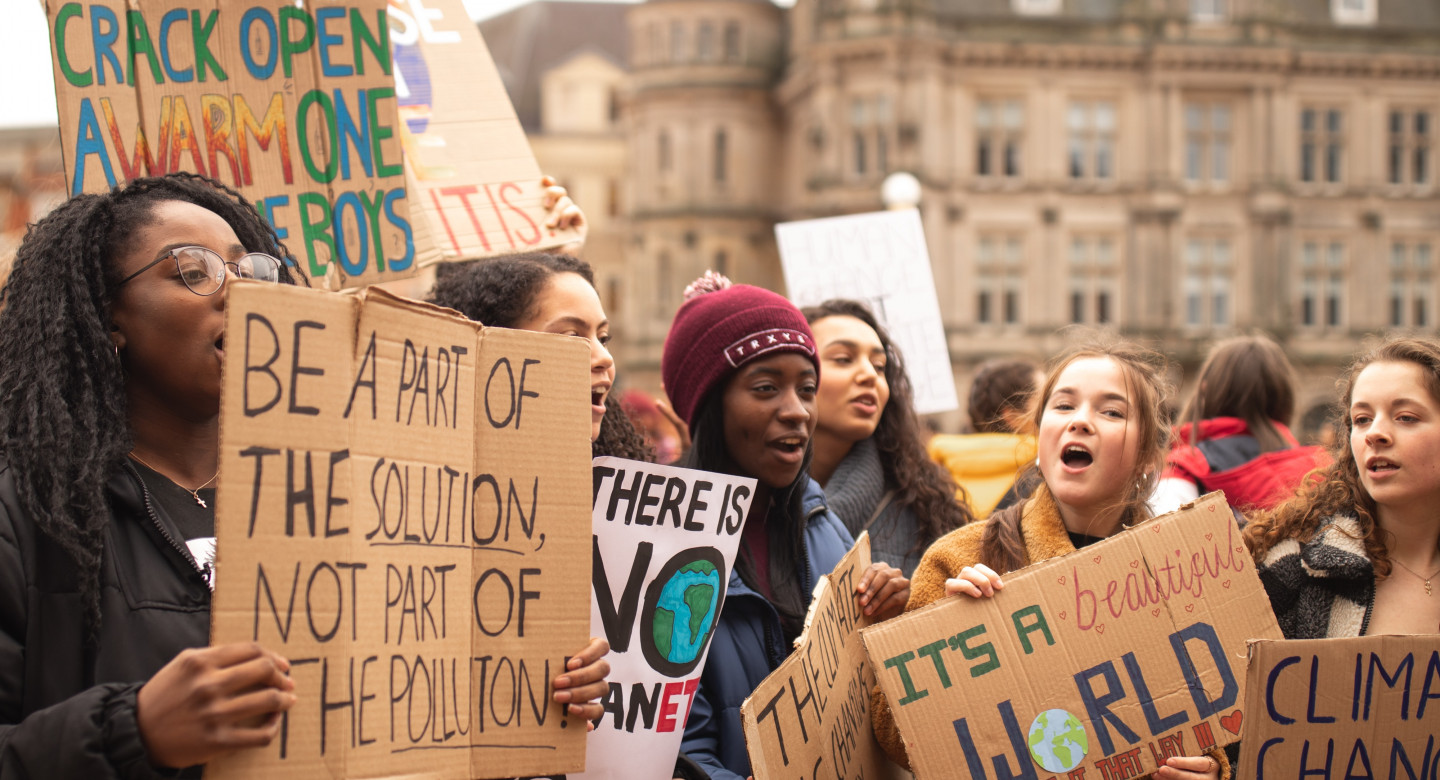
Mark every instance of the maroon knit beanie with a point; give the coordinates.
(716, 332)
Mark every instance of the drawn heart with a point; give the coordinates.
(1239, 549)
(1212, 507)
(1231, 722)
(1062, 615)
(1208, 537)
(1225, 584)
(1100, 628)
(1096, 559)
(1155, 528)
(1134, 564)
(1061, 580)
(1155, 612)
(1189, 607)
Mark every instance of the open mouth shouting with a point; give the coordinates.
(1076, 457)
(866, 403)
(598, 393)
(789, 448)
(1377, 466)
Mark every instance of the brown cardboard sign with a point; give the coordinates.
(811, 716)
(1095, 666)
(1343, 708)
(404, 513)
(474, 184)
(293, 104)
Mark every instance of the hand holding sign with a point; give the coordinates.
(976, 581)
(883, 591)
(584, 681)
(211, 701)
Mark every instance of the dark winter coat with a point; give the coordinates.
(748, 645)
(68, 711)
(1324, 588)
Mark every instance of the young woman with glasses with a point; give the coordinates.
(111, 346)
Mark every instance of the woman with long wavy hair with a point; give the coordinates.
(869, 455)
(1358, 551)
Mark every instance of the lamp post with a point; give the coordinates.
(900, 190)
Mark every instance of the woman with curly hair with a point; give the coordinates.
(111, 348)
(550, 293)
(1358, 552)
(869, 456)
(111, 343)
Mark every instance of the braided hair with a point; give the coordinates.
(63, 420)
(502, 292)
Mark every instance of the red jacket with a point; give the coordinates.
(1228, 458)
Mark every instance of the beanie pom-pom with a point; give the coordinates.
(708, 283)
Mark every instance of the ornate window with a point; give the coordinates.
(1410, 136)
(870, 122)
(1207, 142)
(1209, 285)
(707, 48)
(1093, 289)
(1000, 275)
(999, 133)
(1091, 126)
(677, 41)
(1412, 287)
(1322, 145)
(1322, 284)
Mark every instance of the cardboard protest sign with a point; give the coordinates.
(292, 104)
(879, 259)
(402, 513)
(811, 716)
(1351, 708)
(474, 184)
(1106, 661)
(665, 541)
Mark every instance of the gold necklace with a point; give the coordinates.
(1428, 590)
(195, 494)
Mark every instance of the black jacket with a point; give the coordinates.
(67, 710)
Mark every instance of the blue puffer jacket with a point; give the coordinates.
(748, 645)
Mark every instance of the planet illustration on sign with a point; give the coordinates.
(682, 608)
(1058, 741)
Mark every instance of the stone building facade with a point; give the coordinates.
(1178, 170)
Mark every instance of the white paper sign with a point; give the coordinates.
(881, 260)
(665, 543)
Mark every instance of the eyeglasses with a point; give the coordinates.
(203, 270)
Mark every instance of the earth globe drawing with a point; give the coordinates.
(682, 606)
(1058, 741)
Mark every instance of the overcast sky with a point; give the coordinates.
(27, 88)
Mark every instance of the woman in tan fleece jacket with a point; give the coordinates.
(1101, 439)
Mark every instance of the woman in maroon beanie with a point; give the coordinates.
(740, 368)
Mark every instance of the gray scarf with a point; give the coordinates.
(857, 485)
